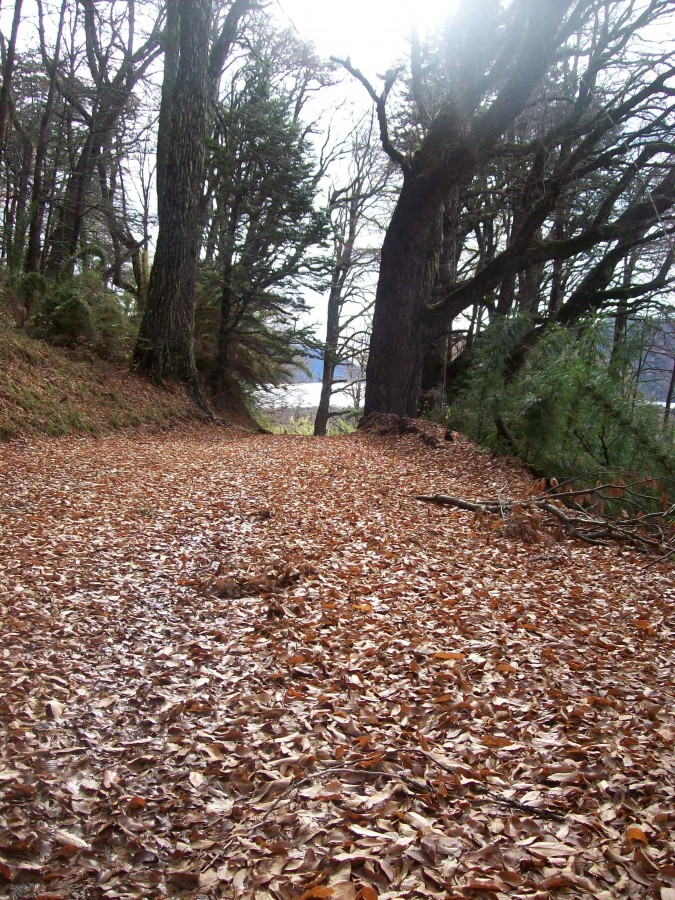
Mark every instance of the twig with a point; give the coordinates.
(659, 559)
(498, 798)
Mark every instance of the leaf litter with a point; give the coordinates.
(256, 666)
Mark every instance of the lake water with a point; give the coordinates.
(302, 396)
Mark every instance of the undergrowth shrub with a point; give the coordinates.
(85, 311)
(562, 403)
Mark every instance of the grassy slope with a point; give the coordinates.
(47, 391)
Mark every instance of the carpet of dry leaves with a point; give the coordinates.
(256, 666)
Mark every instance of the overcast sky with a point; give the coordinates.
(371, 32)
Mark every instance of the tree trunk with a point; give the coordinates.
(66, 236)
(456, 145)
(7, 74)
(22, 188)
(52, 192)
(164, 348)
(669, 396)
(222, 360)
(38, 200)
(330, 359)
(408, 269)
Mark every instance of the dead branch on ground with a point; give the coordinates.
(581, 514)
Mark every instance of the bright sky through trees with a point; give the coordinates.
(372, 32)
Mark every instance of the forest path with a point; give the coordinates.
(255, 666)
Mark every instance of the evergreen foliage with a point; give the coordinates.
(562, 402)
(83, 311)
(265, 228)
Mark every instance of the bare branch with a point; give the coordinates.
(380, 101)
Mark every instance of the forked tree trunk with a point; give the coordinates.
(457, 143)
(66, 236)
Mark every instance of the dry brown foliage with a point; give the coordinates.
(256, 666)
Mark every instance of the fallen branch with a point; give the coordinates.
(468, 505)
(648, 531)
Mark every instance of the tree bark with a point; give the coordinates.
(164, 348)
(408, 269)
(7, 74)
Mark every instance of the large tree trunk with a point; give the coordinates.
(457, 144)
(7, 74)
(164, 348)
(408, 269)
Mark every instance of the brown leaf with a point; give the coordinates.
(491, 740)
(196, 779)
(183, 879)
(634, 833)
(208, 878)
(5, 872)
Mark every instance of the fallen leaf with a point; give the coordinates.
(55, 709)
(67, 839)
(636, 834)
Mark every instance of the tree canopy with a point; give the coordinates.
(519, 165)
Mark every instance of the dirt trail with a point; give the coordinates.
(255, 666)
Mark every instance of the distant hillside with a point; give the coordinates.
(315, 371)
